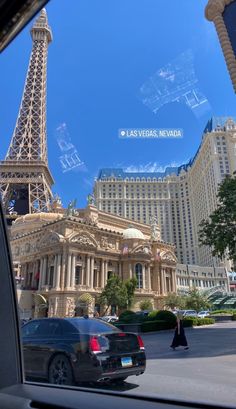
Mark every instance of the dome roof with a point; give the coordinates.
(132, 233)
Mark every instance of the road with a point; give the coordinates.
(206, 372)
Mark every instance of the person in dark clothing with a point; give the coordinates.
(179, 336)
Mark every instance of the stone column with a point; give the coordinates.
(40, 274)
(92, 272)
(44, 271)
(63, 268)
(58, 273)
(173, 275)
(144, 276)
(105, 273)
(82, 275)
(54, 271)
(88, 271)
(162, 282)
(72, 283)
(149, 277)
(68, 271)
(130, 271)
(102, 273)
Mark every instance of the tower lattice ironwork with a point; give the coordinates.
(25, 179)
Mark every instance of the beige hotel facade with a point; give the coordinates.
(64, 260)
(180, 197)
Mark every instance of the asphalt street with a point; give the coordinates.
(206, 372)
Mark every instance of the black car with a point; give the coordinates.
(74, 350)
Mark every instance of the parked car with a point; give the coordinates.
(110, 318)
(190, 313)
(203, 314)
(178, 312)
(143, 313)
(73, 350)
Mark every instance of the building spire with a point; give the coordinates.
(29, 137)
(25, 173)
(41, 24)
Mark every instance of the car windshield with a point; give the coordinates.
(118, 183)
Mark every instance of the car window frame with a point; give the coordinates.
(15, 392)
(11, 353)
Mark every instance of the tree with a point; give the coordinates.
(114, 293)
(197, 301)
(219, 231)
(145, 305)
(131, 286)
(173, 301)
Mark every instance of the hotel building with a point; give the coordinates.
(181, 197)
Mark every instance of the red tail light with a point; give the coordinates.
(140, 342)
(94, 345)
(121, 334)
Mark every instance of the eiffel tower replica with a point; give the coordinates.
(25, 179)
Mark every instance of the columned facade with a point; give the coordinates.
(64, 259)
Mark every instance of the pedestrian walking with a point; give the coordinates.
(179, 336)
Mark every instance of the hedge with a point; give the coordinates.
(203, 321)
(188, 322)
(162, 315)
(161, 320)
(222, 312)
(234, 317)
(197, 322)
(157, 325)
(128, 317)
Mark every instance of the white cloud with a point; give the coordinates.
(152, 167)
(61, 127)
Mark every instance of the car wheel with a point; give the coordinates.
(60, 371)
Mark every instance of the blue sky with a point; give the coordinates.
(102, 52)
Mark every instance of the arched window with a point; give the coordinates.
(139, 275)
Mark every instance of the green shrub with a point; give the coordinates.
(128, 317)
(203, 321)
(152, 315)
(164, 315)
(223, 312)
(197, 322)
(145, 305)
(188, 322)
(125, 313)
(156, 325)
(234, 317)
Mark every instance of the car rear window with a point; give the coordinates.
(91, 326)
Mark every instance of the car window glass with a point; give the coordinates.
(68, 328)
(92, 326)
(49, 328)
(30, 329)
